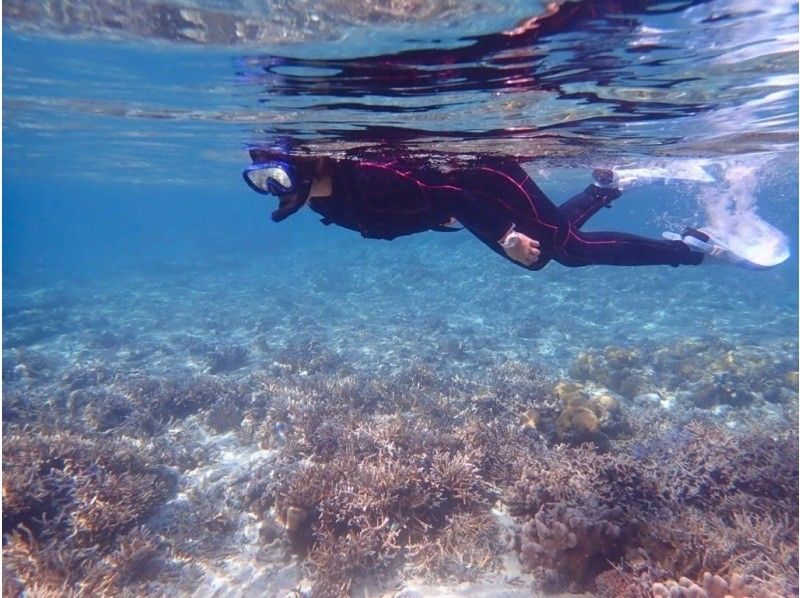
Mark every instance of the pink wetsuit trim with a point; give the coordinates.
(405, 175)
(525, 193)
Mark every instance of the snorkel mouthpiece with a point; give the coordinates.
(289, 204)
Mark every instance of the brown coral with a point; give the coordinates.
(387, 491)
(67, 498)
(710, 586)
(577, 541)
(586, 418)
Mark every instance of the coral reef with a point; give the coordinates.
(389, 490)
(68, 502)
(107, 411)
(226, 359)
(583, 510)
(760, 549)
(164, 399)
(701, 506)
(224, 415)
(714, 469)
(587, 418)
(710, 586)
(710, 372)
(576, 542)
(127, 479)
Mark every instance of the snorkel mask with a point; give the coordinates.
(281, 179)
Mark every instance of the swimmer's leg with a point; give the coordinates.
(585, 204)
(622, 249)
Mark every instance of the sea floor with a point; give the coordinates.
(407, 419)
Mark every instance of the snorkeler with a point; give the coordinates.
(494, 198)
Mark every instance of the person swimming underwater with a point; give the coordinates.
(494, 198)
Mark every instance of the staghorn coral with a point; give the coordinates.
(138, 556)
(67, 499)
(66, 570)
(106, 411)
(710, 466)
(16, 407)
(583, 509)
(732, 509)
(164, 399)
(374, 478)
(667, 505)
(23, 364)
(86, 375)
(466, 546)
(224, 415)
(579, 475)
(309, 357)
(619, 583)
(389, 491)
(759, 548)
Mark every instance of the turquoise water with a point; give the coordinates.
(157, 324)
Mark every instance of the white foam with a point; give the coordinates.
(733, 218)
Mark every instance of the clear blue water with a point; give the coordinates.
(124, 212)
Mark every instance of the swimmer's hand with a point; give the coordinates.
(520, 248)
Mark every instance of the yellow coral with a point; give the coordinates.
(569, 392)
(577, 418)
(585, 421)
(620, 356)
(530, 419)
(791, 380)
(605, 404)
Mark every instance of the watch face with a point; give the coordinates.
(512, 241)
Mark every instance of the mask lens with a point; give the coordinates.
(259, 179)
(281, 177)
(270, 179)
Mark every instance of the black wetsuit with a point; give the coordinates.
(384, 200)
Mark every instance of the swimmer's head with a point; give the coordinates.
(288, 178)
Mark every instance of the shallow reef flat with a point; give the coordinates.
(384, 426)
